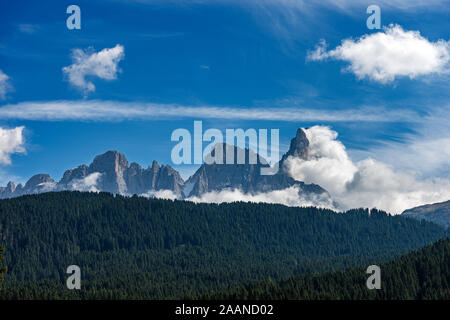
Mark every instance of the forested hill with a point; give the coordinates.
(422, 274)
(149, 248)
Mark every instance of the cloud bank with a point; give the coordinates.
(367, 183)
(390, 54)
(160, 194)
(11, 141)
(88, 183)
(289, 197)
(102, 64)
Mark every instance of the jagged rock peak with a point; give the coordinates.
(155, 165)
(299, 146)
(10, 187)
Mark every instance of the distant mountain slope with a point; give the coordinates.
(438, 213)
(419, 275)
(111, 172)
(133, 247)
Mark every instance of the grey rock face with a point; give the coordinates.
(247, 177)
(153, 178)
(113, 166)
(299, 146)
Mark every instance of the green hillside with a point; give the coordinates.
(422, 274)
(139, 248)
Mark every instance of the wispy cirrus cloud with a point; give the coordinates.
(5, 85)
(28, 28)
(425, 152)
(390, 54)
(398, 4)
(341, 4)
(87, 63)
(99, 110)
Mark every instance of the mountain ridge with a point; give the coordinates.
(438, 213)
(111, 172)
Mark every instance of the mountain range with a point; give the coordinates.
(111, 172)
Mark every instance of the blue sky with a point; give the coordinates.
(240, 55)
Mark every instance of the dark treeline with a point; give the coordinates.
(419, 275)
(137, 248)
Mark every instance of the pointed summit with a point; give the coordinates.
(11, 187)
(299, 146)
(155, 165)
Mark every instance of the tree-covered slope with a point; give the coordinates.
(438, 213)
(422, 274)
(2, 268)
(149, 248)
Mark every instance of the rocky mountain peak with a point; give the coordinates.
(113, 165)
(247, 176)
(10, 187)
(155, 165)
(37, 180)
(299, 146)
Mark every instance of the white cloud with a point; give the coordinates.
(11, 141)
(5, 85)
(88, 183)
(98, 110)
(367, 183)
(426, 152)
(47, 186)
(102, 64)
(328, 164)
(389, 54)
(289, 197)
(160, 194)
(28, 28)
